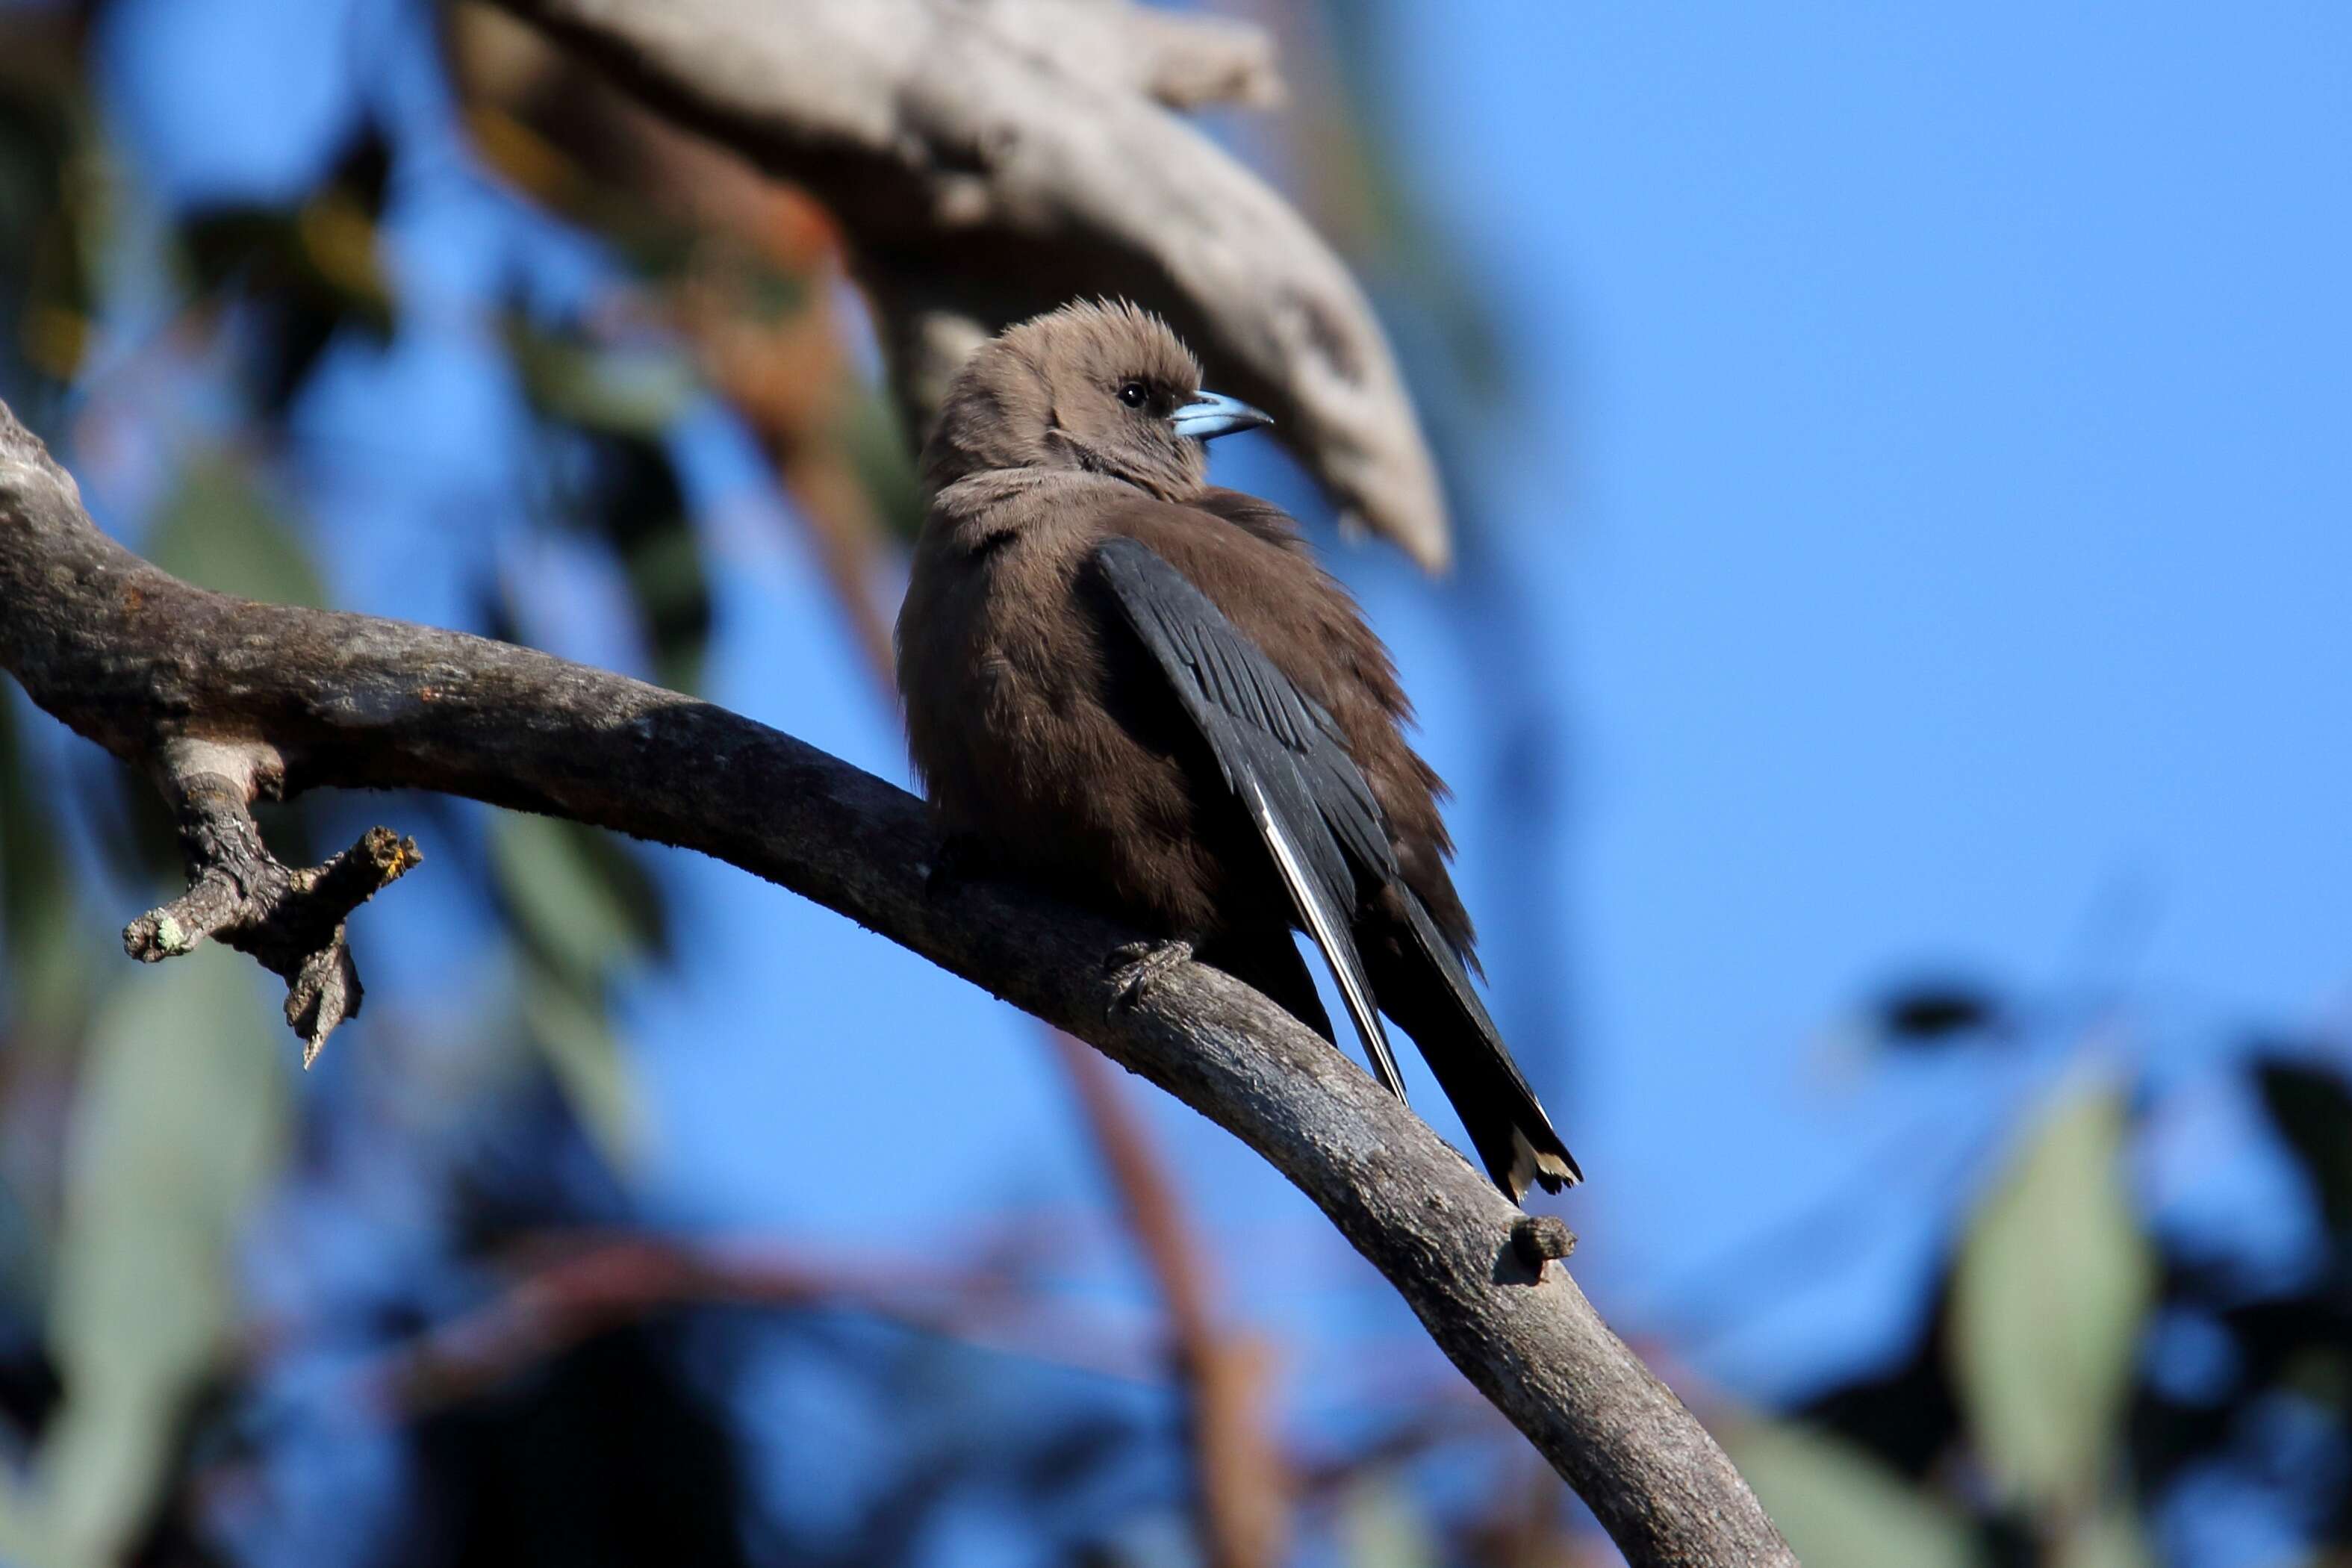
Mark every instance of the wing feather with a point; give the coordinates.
(1282, 756)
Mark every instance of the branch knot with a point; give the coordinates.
(1538, 1239)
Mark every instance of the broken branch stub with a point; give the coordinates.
(290, 919)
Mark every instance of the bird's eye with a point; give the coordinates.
(1134, 394)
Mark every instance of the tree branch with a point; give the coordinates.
(290, 920)
(993, 159)
(151, 668)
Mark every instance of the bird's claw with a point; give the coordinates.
(1138, 966)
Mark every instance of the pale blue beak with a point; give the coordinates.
(1210, 415)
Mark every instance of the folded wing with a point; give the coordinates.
(1282, 756)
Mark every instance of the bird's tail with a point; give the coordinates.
(1426, 990)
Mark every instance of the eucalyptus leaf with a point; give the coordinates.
(1384, 1526)
(635, 391)
(582, 913)
(876, 446)
(49, 964)
(588, 1064)
(1839, 1507)
(2111, 1538)
(181, 1122)
(220, 529)
(2053, 1283)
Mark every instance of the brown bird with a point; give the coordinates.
(1140, 691)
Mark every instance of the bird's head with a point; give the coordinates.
(1092, 388)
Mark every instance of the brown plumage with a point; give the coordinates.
(1218, 766)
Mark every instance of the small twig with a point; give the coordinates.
(1244, 1502)
(290, 919)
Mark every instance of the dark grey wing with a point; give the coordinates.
(1281, 756)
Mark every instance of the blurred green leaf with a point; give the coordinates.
(181, 1122)
(877, 444)
(664, 561)
(221, 531)
(580, 900)
(303, 273)
(49, 964)
(636, 392)
(2111, 1538)
(581, 904)
(1842, 1509)
(1383, 1526)
(588, 1063)
(2312, 1109)
(2053, 1283)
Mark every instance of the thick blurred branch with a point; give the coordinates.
(569, 1287)
(141, 662)
(1244, 1499)
(991, 159)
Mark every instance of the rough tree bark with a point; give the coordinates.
(992, 159)
(224, 701)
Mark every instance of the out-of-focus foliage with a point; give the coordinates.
(180, 1119)
(474, 1361)
(301, 274)
(579, 907)
(53, 207)
(216, 528)
(2049, 1295)
(2084, 1373)
(416, 1290)
(1930, 1013)
(47, 989)
(1841, 1507)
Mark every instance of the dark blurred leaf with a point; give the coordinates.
(618, 405)
(639, 507)
(304, 273)
(2053, 1285)
(1905, 1417)
(1939, 1012)
(220, 529)
(570, 380)
(877, 452)
(53, 206)
(2310, 1106)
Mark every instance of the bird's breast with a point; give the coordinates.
(1018, 722)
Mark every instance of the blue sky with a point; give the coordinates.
(1934, 435)
(1930, 454)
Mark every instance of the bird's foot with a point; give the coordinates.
(1138, 966)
